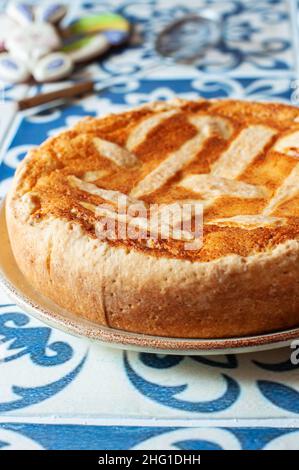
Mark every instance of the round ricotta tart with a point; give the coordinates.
(68, 218)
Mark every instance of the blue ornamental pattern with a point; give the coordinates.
(194, 399)
(19, 340)
(74, 437)
(255, 35)
(31, 341)
(168, 396)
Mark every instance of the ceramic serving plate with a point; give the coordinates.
(42, 308)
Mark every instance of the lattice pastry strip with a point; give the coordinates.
(221, 181)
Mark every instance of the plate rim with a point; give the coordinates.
(80, 327)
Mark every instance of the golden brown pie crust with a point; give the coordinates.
(240, 159)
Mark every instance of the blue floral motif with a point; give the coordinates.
(231, 361)
(91, 437)
(160, 362)
(31, 341)
(3, 444)
(22, 340)
(280, 395)
(32, 395)
(167, 395)
(284, 366)
(197, 445)
(165, 362)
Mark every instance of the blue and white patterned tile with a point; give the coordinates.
(45, 373)
(17, 436)
(36, 363)
(256, 36)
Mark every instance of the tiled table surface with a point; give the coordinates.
(61, 392)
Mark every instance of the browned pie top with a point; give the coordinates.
(240, 159)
